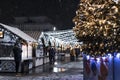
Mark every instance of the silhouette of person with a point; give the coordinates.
(77, 51)
(17, 56)
(51, 55)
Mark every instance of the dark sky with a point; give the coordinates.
(58, 10)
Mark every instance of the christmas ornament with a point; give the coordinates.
(87, 67)
(103, 70)
(94, 68)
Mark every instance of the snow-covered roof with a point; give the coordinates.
(65, 36)
(19, 33)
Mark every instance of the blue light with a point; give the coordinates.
(103, 58)
(110, 55)
(98, 60)
(118, 55)
(88, 57)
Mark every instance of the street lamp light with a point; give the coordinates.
(54, 28)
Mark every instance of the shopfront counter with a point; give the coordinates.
(7, 64)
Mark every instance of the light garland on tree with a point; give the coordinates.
(97, 24)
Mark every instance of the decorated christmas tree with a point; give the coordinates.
(97, 25)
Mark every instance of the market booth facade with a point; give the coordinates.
(8, 37)
(61, 40)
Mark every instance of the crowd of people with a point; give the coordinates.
(74, 53)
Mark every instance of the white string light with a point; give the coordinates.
(65, 36)
(116, 1)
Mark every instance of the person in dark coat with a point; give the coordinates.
(77, 52)
(17, 56)
(51, 55)
(34, 55)
(72, 54)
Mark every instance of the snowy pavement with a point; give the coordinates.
(58, 71)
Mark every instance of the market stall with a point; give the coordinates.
(8, 37)
(61, 40)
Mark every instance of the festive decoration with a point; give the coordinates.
(99, 77)
(87, 67)
(59, 38)
(103, 70)
(94, 68)
(97, 24)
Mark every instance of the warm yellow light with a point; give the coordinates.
(1, 34)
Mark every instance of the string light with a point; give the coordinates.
(97, 24)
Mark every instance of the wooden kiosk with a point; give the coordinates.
(8, 36)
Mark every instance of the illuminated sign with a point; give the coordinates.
(1, 34)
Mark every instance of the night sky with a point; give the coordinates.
(59, 11)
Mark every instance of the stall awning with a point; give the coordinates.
(61, 36)
(19, 33)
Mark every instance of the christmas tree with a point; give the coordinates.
(97, 24)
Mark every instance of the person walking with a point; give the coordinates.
(77, 51)
(72, 54)
(17, 57)
(51, 55)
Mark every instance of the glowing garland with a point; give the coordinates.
(97, 24)
(64, 37)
